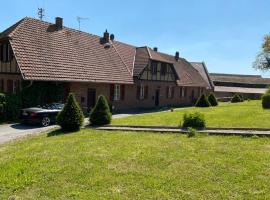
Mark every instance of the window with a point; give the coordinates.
(141, 92)
(170, 92)
(5, 53)
(154, 67)
(163, 69)
(181, 93)
(116, 93)
(185, 92)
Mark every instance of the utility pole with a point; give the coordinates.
(79, 19)
(41, 13)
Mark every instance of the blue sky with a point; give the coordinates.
(225, 34)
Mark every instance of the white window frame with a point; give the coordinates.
(117, 92)
(142, 92)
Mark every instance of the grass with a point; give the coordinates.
(128, 165)
(249, 114)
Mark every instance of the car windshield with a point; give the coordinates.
(57, 106)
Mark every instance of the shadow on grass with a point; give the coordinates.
(60, 132)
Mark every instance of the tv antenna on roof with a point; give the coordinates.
(79, 19)
(41, 13)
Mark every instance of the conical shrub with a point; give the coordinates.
(236, 99)
(101, 115)
(212, 100)
(202, 102)
(71, 117)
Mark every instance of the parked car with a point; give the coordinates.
(44, 116)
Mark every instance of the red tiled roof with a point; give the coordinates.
(68, 55)
(201, 68)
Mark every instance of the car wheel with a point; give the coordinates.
(45, 121)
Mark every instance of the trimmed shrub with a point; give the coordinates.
(241, 97)
(236, 99)
(266, 101)
(194, 120)
(71, 117)
(12, 107)
(212, 100)
(202, 102)
(191, 132)
(101, 114)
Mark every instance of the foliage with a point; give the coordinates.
(262, 61)
(202, 102)
(10, 106)
(191, 132)
(193, 120)
(266, 101)
(101, 114)
(266, 43)
(236, 99)
(241, 97)
(41, 93)
(71, 117)
(212, 100)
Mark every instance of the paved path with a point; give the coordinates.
(178, 130)
(13, 131)
(10, 132)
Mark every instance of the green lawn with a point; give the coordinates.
(128, 165)
(248, 114)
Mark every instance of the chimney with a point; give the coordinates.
(106, 37)
(155, 49)
(59, 23)
(177, 56)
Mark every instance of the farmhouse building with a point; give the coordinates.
(250, 86)
(35, 51)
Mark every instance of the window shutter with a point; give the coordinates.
(146, 92)
(2, 85)
(167, 91)
(111, 92)
(122, 92)
(172, 92)
(138, 92)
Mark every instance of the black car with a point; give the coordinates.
(44, 116)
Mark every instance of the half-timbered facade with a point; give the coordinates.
(89, 65)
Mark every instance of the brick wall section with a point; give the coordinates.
(130, 101)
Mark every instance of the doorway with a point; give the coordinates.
(91, 98)
(157, 97)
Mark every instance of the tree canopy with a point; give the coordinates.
(262, 61)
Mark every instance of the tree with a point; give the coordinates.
(212, 100)
(101, 115)
(266, 43)
(71, 117)
(202, 102)
(262, 61)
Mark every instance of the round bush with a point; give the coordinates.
(71, 117)
(202, 102)
(236, 99)
(212, 100)
(101, 115)
(194, 120)
(266, 101)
